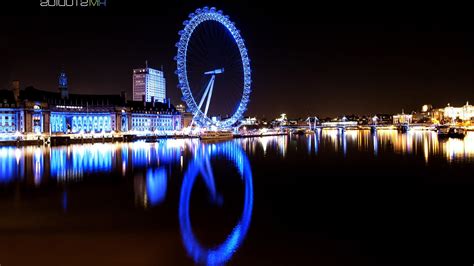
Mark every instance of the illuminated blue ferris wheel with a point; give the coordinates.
(212, 62)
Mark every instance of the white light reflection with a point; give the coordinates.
(264, 143)
(282, 145)
(460, 149)
(38, 166)
(332, 135)
(375, 142)
(426, 150)
(316, 139)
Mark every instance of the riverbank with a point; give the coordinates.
(259, 135)
(59, 140)
(69, 140)
(85, 139)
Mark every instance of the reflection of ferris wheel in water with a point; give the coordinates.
(211, 51)
(201, 165)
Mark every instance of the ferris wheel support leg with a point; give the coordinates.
(211, 84)
(205, 94)
(209, 179)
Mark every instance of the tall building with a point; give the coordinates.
(149, 83)
(63, 85)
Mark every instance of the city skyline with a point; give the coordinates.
(324, 61)
(235, 132)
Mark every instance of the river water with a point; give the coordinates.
(330, 198)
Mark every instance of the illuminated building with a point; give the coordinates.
(281, 121)
(402, 118)
(425, 116)
(438, 114)
(426, 108)
(384, 119)
(247, 121)
(149, 83)
(153, 117)
(464, 113)
(34, 111)
(65, 113)
(11, 119)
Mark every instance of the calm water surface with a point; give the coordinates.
(331, 198)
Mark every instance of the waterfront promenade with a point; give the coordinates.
(67, 139)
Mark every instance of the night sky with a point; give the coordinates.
(324, 60)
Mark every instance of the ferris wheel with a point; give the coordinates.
(213, 63)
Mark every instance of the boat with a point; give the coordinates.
(404, 127)
(443, 131)
(373, 129)
(299, 131)
(215, 135)
(457, 132)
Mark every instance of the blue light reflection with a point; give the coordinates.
(156, 185)
(375, 142)
(224, 251)
(7, 164)
(70, 163)
(67, 162)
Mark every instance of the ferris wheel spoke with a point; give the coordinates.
(196, 51)
(234, 58)
(235, 67)
(196, 58)
(209, 180)
(235, 94)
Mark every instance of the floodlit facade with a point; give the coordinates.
(402, 119)
(34, 111)
(464, 113)
(153, 117)
(247, 121)
(149, 83)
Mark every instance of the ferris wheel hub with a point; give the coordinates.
(215, 72)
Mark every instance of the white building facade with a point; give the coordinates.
(464, 113)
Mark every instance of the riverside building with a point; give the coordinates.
(34, 111)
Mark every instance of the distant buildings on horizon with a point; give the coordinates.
(427, 114)
(35, 111)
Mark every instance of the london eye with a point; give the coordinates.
(213, 69)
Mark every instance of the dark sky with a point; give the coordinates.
(319, 59)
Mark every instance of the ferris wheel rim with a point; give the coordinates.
(195, 19)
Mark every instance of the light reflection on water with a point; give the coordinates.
(391, 141)
(428, 144)
(148, 164)
(71, 163)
